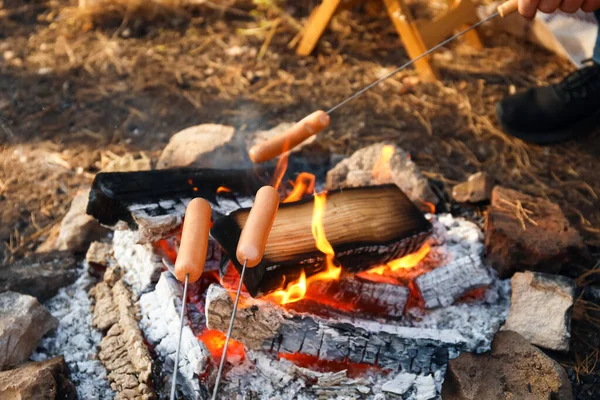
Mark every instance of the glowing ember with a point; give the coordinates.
(296, 291)
(223, 189)
(314, 363)
(382, 171)
(305, 183)
(215, 342)
(429, 207)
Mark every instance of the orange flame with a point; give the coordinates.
(296, 291)
(382, 171)
(223, 189)
(429, 206)
(408, 261)
(305, 183)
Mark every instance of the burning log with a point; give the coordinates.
(444, 285)
(132, 196)
(354, 294)
(366, 227)
(262, 325)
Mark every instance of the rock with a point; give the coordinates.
(380, 164)
(527, 233)
(39, 275)
(23, 322)
(540, 309)
(77, 228)
(196, 146)
(122, 350)
(45, 380)
(476, 189)
(263, 136)
(514, 369)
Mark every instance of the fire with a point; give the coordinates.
(405, 262)
(296, 291)
(382, 171)
(223, 189)
(282, 165)
(305, 183)
(215, 342)
(428, 206)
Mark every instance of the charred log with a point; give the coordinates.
(366, 227)
(263, 325)
(117, 196)
(354, 294)
(444, 285)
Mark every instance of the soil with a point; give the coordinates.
(77, 92)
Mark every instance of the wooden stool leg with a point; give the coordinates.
(314, 28)
(471, 37)
(411, 38)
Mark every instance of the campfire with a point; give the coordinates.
(355, 287)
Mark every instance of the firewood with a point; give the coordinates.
(356, 295)
(115, 195)
(366, 227)
(262, 325)
(444, 285)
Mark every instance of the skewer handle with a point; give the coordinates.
(507, 8)
(194, 240)
(255, 233)
(305, 128)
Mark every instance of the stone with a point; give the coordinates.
(540, 309)
(45, 380)
(523, 232)
(514, 369)
(39, 275)
(197, 146)
(77, 228)
(23, 322)
(262, 136)
(380, 164)
(476, 189)
(123, 351)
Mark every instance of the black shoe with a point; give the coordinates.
(554, 113)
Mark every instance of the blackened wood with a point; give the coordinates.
(114, 195)
(366, 227)
(266, 326)
(444, 285)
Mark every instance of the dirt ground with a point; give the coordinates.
(74, 95)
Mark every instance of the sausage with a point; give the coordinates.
(305, 128)
(507, 8)
(255, 233)
(194, 240)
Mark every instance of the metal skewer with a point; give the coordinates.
(224, 356)
(183, 300)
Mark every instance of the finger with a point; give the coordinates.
(549, 6)
(590, 6)
(571, 6)
(528, 8)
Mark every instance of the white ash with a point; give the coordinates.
(76, 339)
(141, 265)
(455, 236)
(261, 376)
(160, 324)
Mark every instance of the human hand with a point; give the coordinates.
(528, 8)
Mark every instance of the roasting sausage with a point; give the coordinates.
(255, 233)
(305, 128)
(194, 240)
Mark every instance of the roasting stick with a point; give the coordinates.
(250, 250)
(319, 120)
(190, 259)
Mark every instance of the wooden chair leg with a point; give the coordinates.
(314, 28)
(411, 38)
(471, 37)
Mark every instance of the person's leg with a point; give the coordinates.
(554, 113)
(597, 48)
